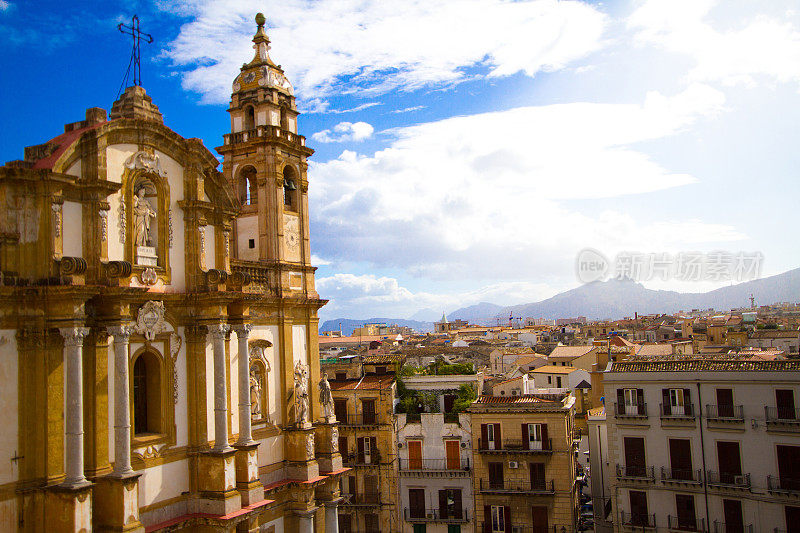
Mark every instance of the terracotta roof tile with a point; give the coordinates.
(370, 382)
(704, 365)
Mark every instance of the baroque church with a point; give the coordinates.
(158, 344)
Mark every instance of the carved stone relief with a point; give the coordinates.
(144, 161)
(175, 342)
(150, 319)
(103, 224)
(121, 221)
(57, 218)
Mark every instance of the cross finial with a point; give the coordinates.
(136, 56)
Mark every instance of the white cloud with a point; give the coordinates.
(345, 131)
(336, 46)
(409, 109)
(483, 195)
(750, 45)
(4, 6)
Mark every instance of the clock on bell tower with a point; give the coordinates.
(265, 162)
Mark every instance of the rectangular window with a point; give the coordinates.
(558, 382)
(676, 402)
(452, 449)
(371, 523)
(496, 475)
(725, 403)
(734, 522)
(251, 243)
(368, 411)
(638, 501)
(789, 467)
(498, 519)
(416, 503)
(534, 436)
(784, 398)
(340, 410)
(730, 464)
(680, 459)
(634, 457)
(631, 402)
(684, 505)
(415, 455)
(537, 476)
(490, 438)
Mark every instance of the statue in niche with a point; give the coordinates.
(301, 393)
(142, 213)
(255, 392)
(326, 398)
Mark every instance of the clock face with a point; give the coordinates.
(292, 239)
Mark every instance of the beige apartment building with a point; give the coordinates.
(524, 463)
(702, 445)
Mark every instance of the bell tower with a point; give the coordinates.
(265, 162)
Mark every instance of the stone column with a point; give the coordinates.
(245, 430)
(332, 517)
(306, 522)
(73, 385)
(218, 332)
(122, 407)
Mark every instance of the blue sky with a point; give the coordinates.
(467, 151)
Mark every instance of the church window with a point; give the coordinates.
(248, 186)
(249, 118)
(289, 189)
(146, 394)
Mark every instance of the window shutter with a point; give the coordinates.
(507, 513)
(687, 401)
(457, 503)
(620, 401)
(545, 439)
(443, 503)
(360, 457)
(497, 437)
(484, 436)
(667, 408)
(373, 449)
(525, 437)
(487, 518)
(640, 400)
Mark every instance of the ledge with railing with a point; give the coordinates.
(361, 499)
(728, 479)
(686, 523)
(525, 487)
(434, 465)
(638, 520)
(672, 412)
(722, 527)
(630, 411)
(359, 419)
(783, 484)
(681, 475)
(483, 527)
(516, 446)
(263, 132)
(354, 459)
(725, 413)
(435, 515)
(636, 472)
(786, 416)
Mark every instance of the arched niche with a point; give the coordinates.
(290, 187)
(247, 186)
(148, 400)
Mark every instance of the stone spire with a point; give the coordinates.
(134, 103)
(261, 45)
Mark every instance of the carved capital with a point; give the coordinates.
(121, 333)
(74, 336)
(242, 330)
(218, 331)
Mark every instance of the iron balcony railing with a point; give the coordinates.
(722, 527)
(354, 459)
(636, 472)
(435, 515)
(638, 520)
(637, 411)
(728, 413)
(360, 419)
(415, 465)
(516, 446)
(362, 499)
(483, 527)
(528, 487)
(681, 475)
(686, 523)
(782, 415)
(671, 411)
(783, 484)
(728, 479)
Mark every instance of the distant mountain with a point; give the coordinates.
(426, 315)
(348, 324)
(478, 313)
(620, 298)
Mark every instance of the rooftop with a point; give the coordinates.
(369, 382)
(570, 351)
(552, 369)
(703, 365)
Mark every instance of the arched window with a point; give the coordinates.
(146, 394)
(248, 186)
(289, 189)
(249, 118)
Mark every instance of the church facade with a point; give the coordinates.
(158, 327)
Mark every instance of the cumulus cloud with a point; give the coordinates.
(4, 6)
(345, 131)
(750, 45)
(374, 47)
(485, 195)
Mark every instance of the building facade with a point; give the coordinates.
(524, 473)
(159, 325)
(704, 445)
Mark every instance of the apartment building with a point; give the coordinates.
(435, 473)
(364, 408)
(703, 445)
(524, 473)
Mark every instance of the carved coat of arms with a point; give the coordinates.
(150, 320)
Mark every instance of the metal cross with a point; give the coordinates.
(134, 31)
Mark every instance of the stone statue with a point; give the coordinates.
(301, 393)
(142, 213)
(255, 394)
(326, 398)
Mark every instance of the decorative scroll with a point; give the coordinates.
(148, 276)
(144, 161)
(72, 265)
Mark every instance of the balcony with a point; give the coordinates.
(672, 413)
(524, 487)
(354, 459)
(728, 480)
(681, 475)
(263, 133)
(434, 466)
(636, 473)
(721, 527)
(631, 413)
(684, 523)
(359, 420)
(725, 413)
(367, 499)
(636, 520)
(516, 446)
(784, 485)
(436, 515)
(783, 418)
